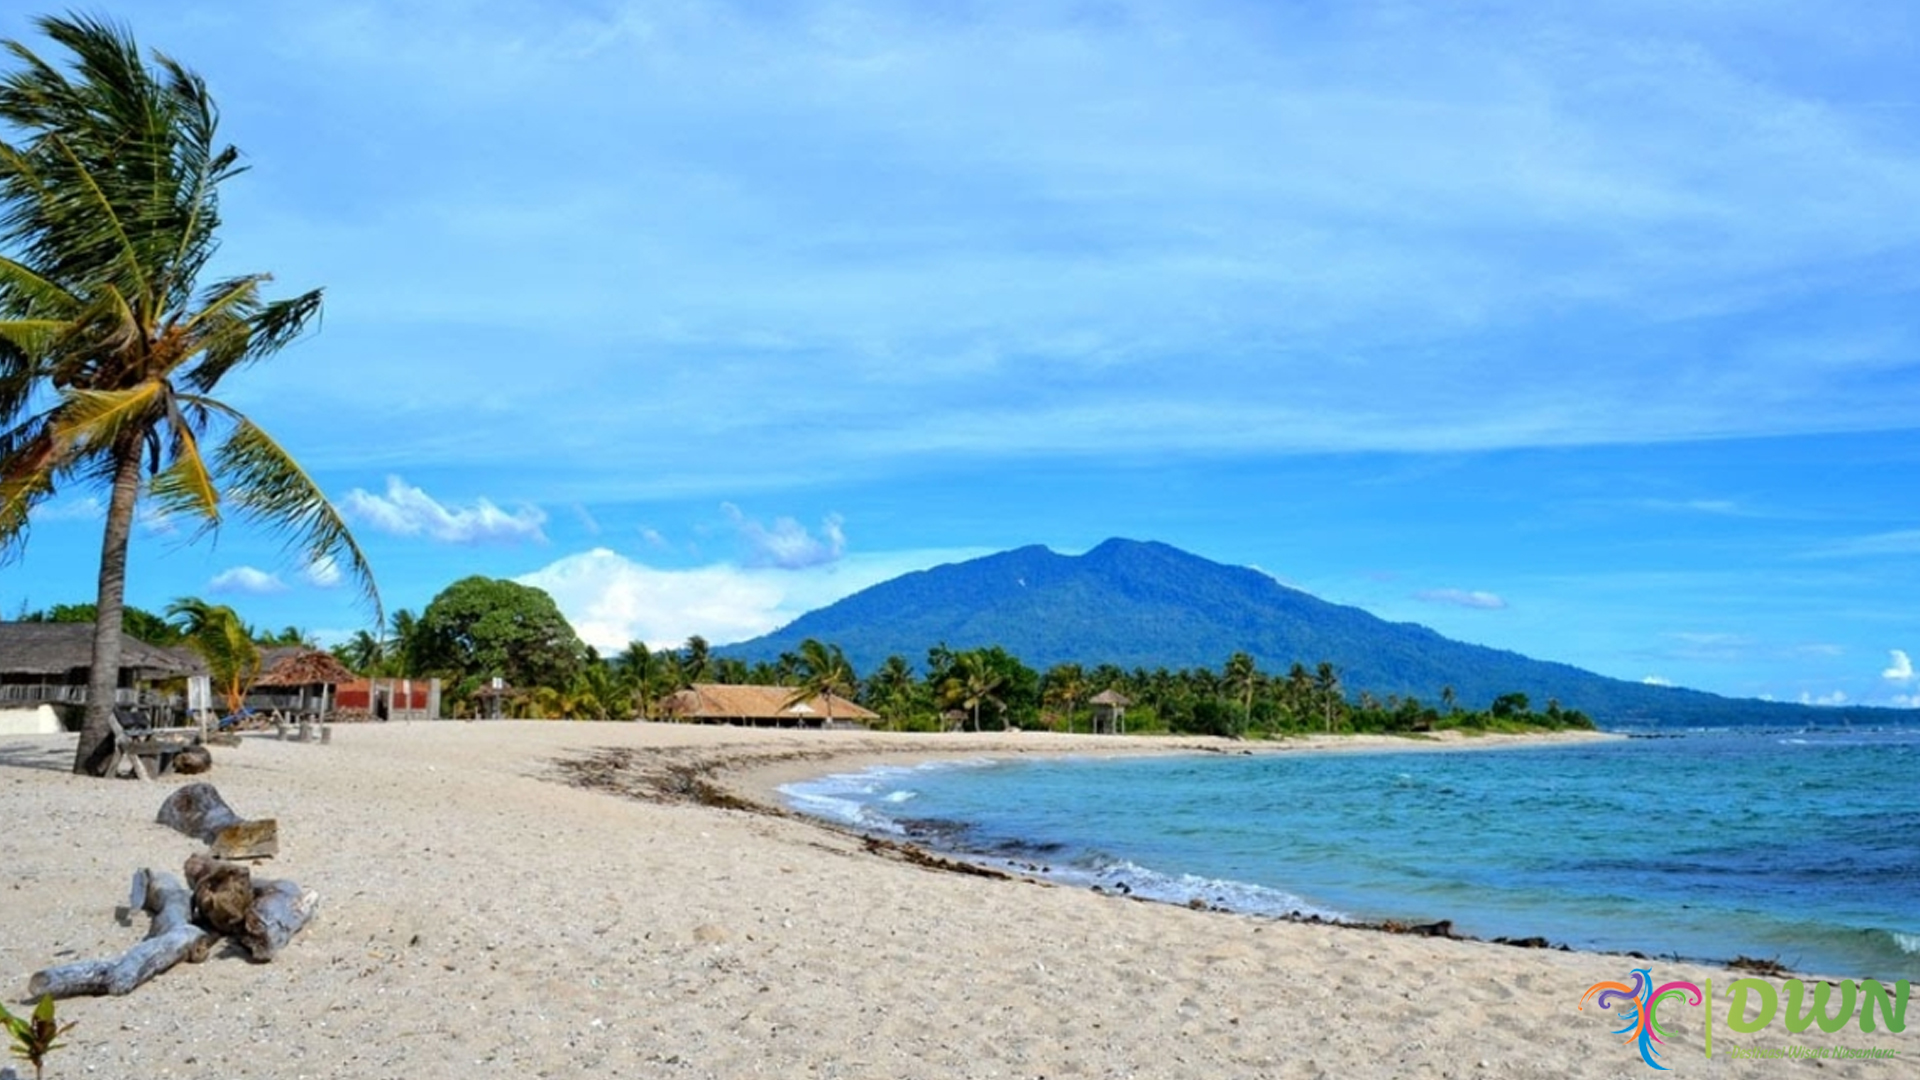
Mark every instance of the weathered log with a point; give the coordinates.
(172, 938)
(198, 811)
(262, 915)
(222, 894)
(280, 910)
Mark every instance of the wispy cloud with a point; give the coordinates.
(248, 580)
(1655, 680)
(85, 508)
(406, 510)
(323, 573)
(1152, 208)
(1901, 542)
(787, 544)
(1485, 601)
(1836, 697)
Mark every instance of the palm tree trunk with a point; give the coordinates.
(103, 676)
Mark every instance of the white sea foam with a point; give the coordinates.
(1132, 879)
(1909, 943)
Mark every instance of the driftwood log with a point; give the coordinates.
(172, 938)
(262, 915)
(199, 811)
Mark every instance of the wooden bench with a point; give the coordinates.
(133, 748)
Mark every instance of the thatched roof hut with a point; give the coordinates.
(302, 667)
(63, 652)
(760, 706)
(1110, 711)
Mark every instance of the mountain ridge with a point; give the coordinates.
(1147, 604)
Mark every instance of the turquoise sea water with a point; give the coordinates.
(1803, 847)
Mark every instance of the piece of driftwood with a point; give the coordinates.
(262, 914)
(199, 811)
(172, 938)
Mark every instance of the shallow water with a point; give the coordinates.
(1803, 847)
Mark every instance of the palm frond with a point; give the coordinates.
(266, 485)
(185, 486)
(99, 420)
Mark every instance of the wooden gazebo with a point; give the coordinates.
(1110, 712)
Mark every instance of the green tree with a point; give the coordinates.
(1242, 676)
(140, 624)
(482, 628)
(110, 348)
(636, 671)
(891, 689)
(824, 673)
(1065, 686)
(217, 634)
(976, 682)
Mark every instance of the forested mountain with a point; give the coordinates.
(1148, 605)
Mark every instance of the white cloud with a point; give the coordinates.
(406, 510)
(87, 508)
(788, 545)
(1838, 697)
(322, 572)
(1906, 701)
(1655, 680)
(1485, 601)
(1900, 670)
(612, 600)
(246, 579)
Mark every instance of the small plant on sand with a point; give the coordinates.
(33, 1037)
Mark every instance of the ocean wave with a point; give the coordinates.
(1906, 943)
(1127, 878)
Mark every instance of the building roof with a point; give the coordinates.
(28, 648)
(1112, 698)
(714, 701)
(301, 667)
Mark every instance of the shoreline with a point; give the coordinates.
(753, 782)
(480, 915)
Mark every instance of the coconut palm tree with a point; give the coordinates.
(891, 688)
(824, 673)
(1066, 686)
(110, 348)
(216, 632)
(1242, 676)
(978, 682)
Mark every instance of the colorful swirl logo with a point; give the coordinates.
(1639, 1003)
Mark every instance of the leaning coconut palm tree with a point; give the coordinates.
(824, 673)
(110, 350)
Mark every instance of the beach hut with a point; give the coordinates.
(1109, 712)
(762, 706)
(304, 679)
(44, 668)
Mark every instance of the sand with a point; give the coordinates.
(482, 916)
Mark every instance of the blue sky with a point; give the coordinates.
(1589, 331)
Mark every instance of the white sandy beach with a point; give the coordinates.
(481, 916)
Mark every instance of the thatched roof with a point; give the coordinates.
(713, 701)
(303, 667)
(1112, 699)
(66, 649)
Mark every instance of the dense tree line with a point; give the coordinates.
(477, 630)
(480, 629)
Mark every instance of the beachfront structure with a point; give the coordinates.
(44, 667)
(761, 706)
(297, 681)
(1109, 712)
(389, 698)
